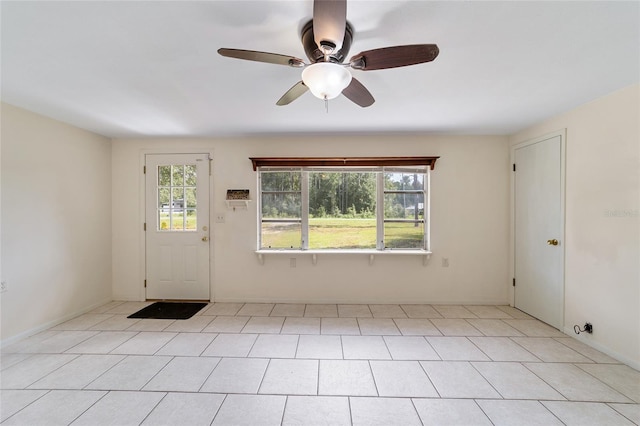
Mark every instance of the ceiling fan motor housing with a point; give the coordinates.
(313, 51)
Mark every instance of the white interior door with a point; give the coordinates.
(539, 253)
(177, 226)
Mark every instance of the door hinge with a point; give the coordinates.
(144, 170)
(514, 282)
(145, 283)
(514, 167)
(144, 226)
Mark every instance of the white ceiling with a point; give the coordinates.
(127, 69)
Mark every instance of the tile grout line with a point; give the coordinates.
(210, 374)
(154, 407)
(166, 343)
(486, 380)
(219, 408)
(577, 365)
(511, 338)
(429, 378)
(263, 376)
(126, 341)
(413, 404)
(210, 343)
(284, 409)
(375, 384)
(271, 310)
(581, 353)
(475, 400)
(155, 375)
(550, 411)
(54, 370)
(543, 380)
(350, 410)
(608, 404)
(478, 347)
(432, 348)
(91, 406)
(387, 346)
(105, 372)
(29, 404)
(295, 353)
(318, 382)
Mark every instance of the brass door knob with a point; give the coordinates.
(205, 238)
(553, 242)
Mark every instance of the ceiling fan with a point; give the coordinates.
(326, 40)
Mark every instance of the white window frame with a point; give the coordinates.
(380, 220)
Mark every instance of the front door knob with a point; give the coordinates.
(205, 238)
(553, 242)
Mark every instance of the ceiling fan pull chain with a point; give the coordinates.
(326, 105)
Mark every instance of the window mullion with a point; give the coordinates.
(305, 210)
(427, 210)
(380, 210)
(260, 209)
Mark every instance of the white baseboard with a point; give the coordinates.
(49, 324)
(635, 364)
(358, 301)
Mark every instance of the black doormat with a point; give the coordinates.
(169, 310)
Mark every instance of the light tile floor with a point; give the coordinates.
(295, 364)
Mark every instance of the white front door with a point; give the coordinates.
(177, 226)
(539, 252)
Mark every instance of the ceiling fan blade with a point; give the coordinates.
(395, 56)
(292, 94)
(271, 58)
(329, 22)
(358, 94)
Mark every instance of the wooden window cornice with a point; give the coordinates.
(342, 161)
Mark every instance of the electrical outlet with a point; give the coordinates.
(445, 262)
(3, 286)
(220, 218)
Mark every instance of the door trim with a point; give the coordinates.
(142, 199)
(562, 133)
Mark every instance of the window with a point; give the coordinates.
(357, 207)
(281, 205)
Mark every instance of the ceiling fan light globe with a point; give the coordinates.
(326, 80)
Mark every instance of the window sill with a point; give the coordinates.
(426, 255)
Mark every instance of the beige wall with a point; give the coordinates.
(602, 241)
(470, 213)
(56, 221)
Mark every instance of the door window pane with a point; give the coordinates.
(177, 202)
(164, 199)
(190, 197)
(190, 224)
(164, 176)
(177, 175)
(190, 175)
(164, 221)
